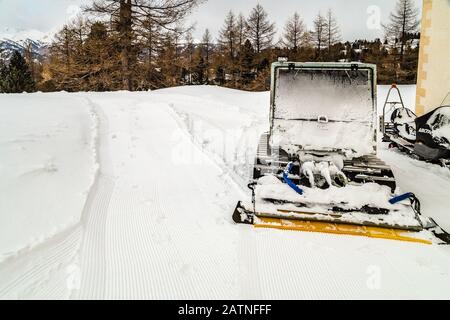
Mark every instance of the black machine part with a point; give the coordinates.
(403, 122)
(241, 215)
(401, 113)
(357, 170)
(428, 145)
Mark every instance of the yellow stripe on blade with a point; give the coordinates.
(337, 228)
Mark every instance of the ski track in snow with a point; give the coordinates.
(157, 227)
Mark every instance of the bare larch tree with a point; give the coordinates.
(241, 29)
(402, 26)
(294, 32)
(319, 33)
(206, 51)
(228, 35)
(332, 31)
(260, 30)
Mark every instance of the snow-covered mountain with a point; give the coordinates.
(19, 40)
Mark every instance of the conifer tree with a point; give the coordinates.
(199, 67)
(259, 29)
(247, 62)
(319, 34)
(17, 77)
(228, 35)
(294, 33)
(403, 26)
(241, 30)
(167, 61)
(2, 75)
(128, 17)
(206, 52)
(332, 31)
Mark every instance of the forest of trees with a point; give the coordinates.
(144, 44)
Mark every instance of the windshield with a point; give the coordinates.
(338, 94)
(323, 109)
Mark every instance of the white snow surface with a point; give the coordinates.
(22, 36)
(156, 221)
(47, 166)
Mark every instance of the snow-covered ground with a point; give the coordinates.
(47, 166)
(154, 221)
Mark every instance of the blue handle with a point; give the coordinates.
(289, 182)
(401, 198)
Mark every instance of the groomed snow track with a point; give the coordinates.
(157, 222)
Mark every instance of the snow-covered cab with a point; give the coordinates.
(323, 107)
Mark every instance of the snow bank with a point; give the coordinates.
(47, 165)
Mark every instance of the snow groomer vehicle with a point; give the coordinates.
(317, 169)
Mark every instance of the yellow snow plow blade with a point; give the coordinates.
(338, 228)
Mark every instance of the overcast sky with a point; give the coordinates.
(357, 18)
